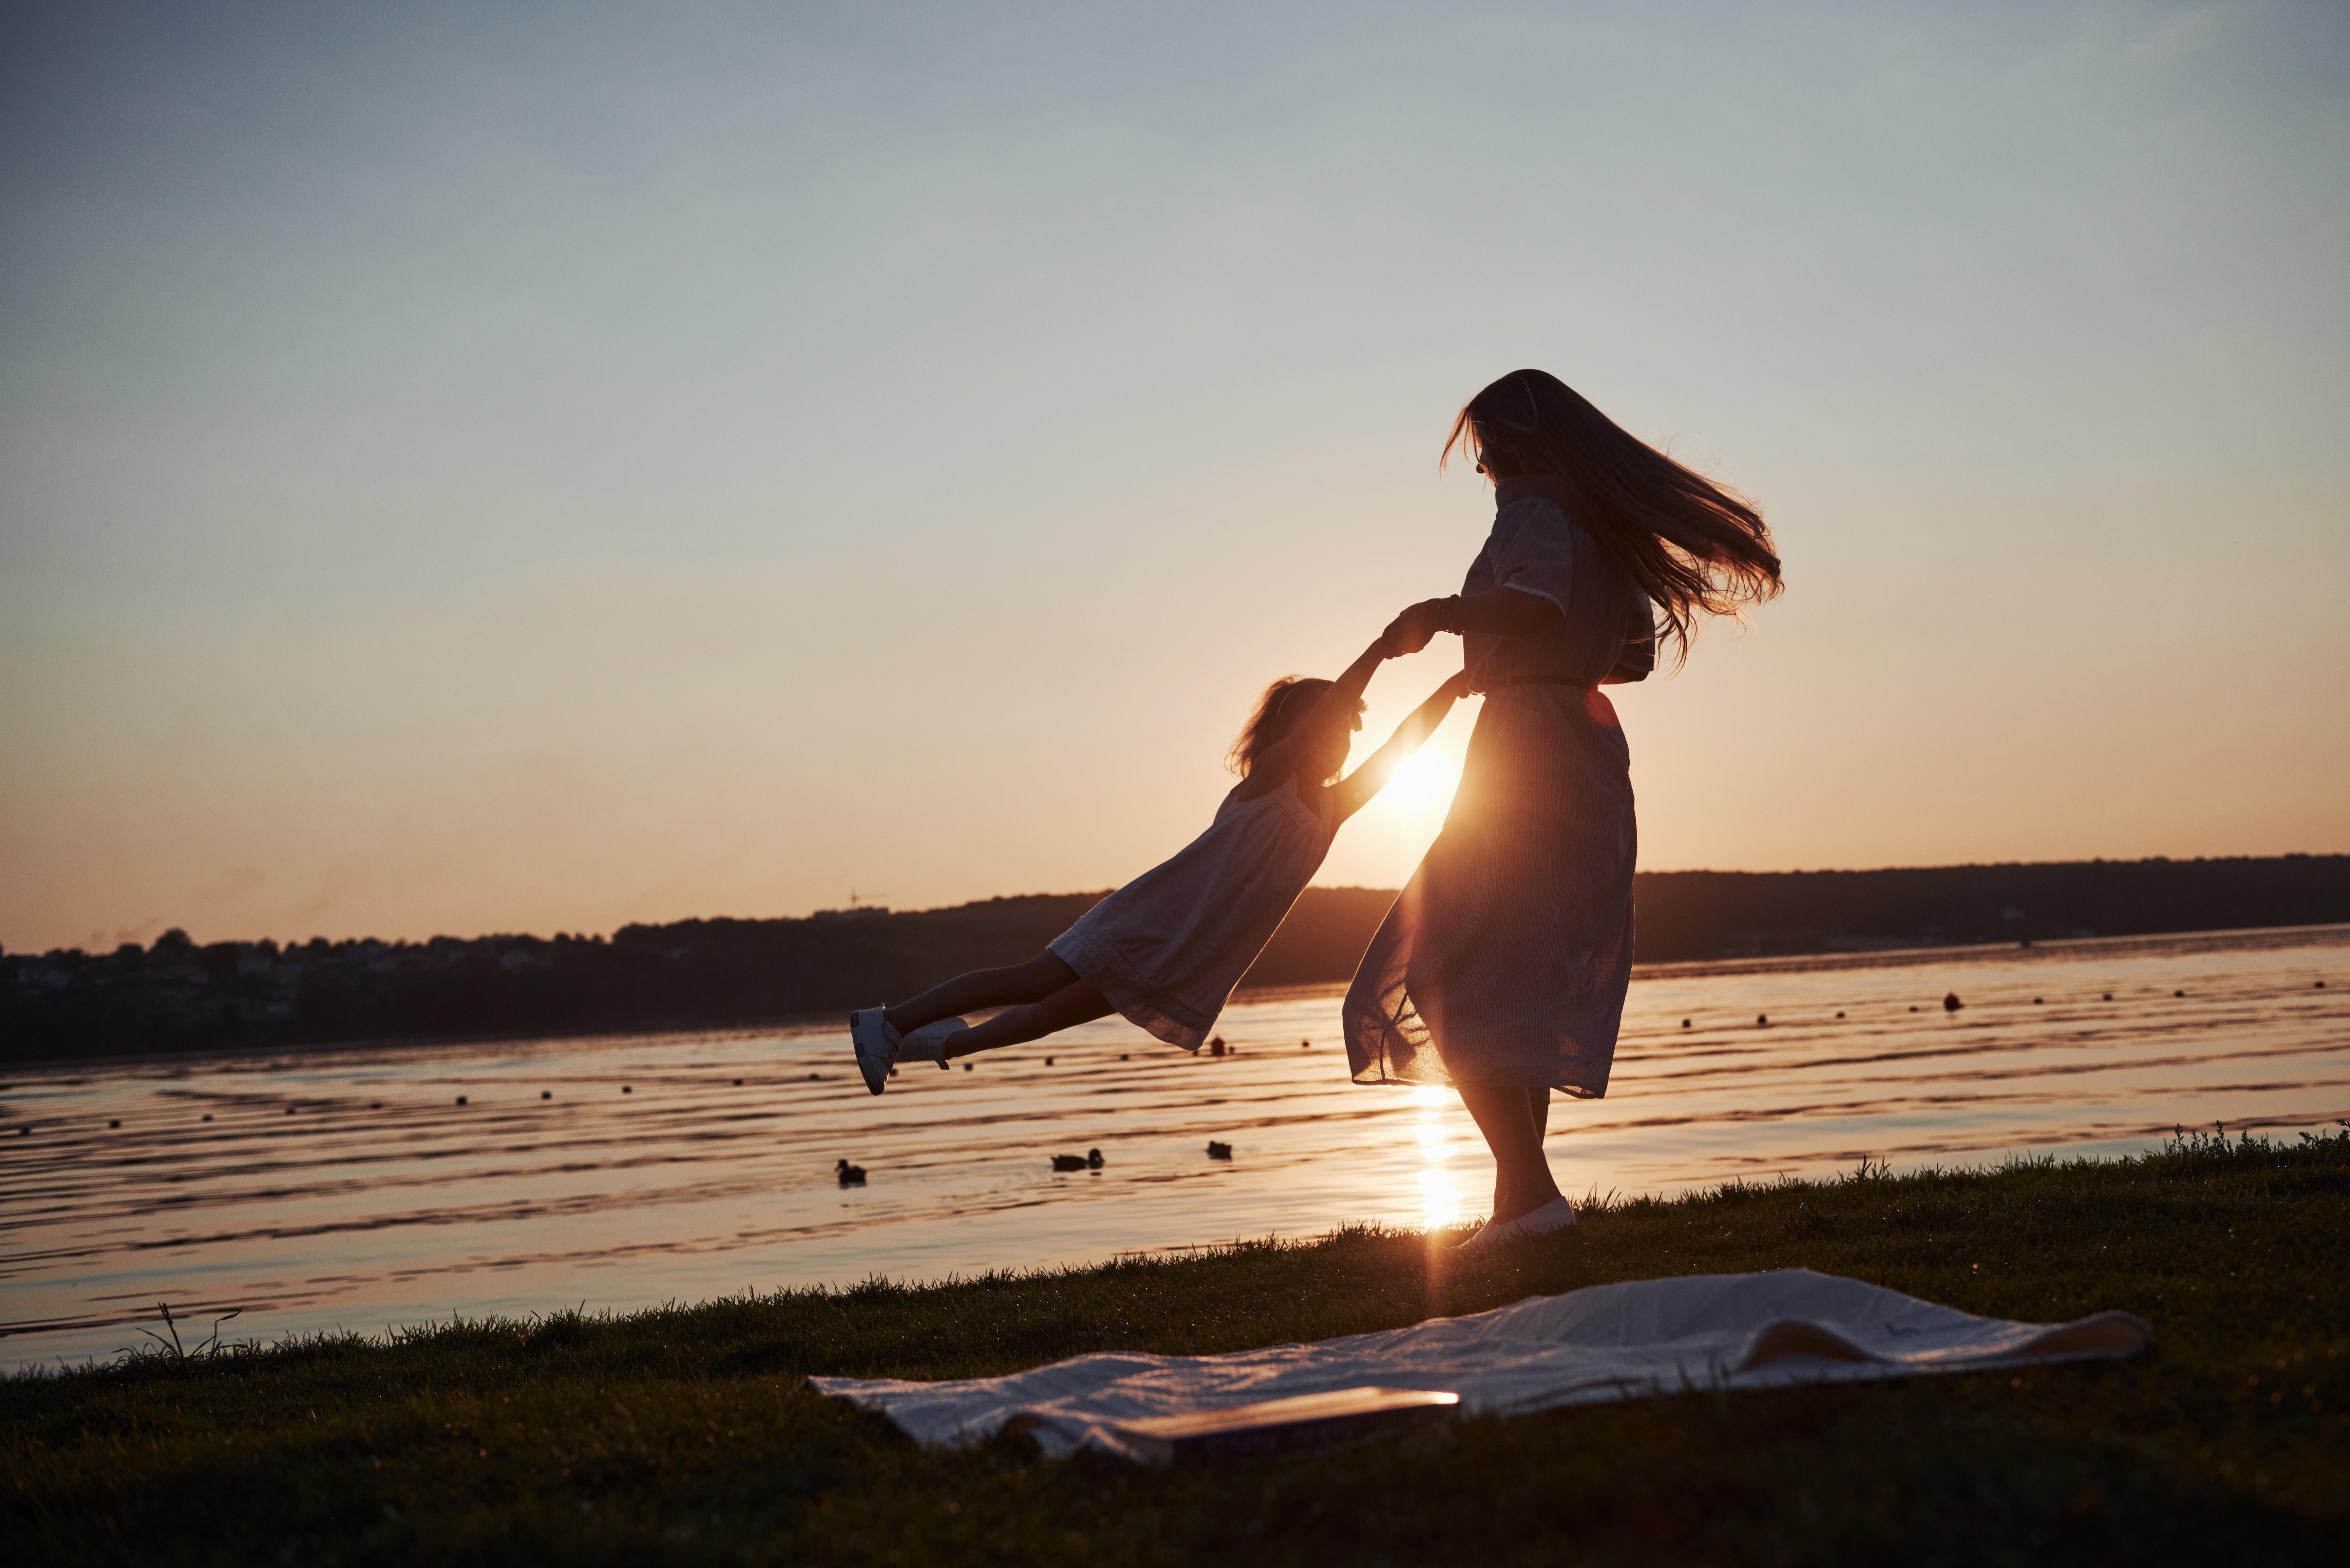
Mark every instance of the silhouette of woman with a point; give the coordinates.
(1501, 968)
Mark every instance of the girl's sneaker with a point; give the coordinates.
(929, 1044)
(876, 1044)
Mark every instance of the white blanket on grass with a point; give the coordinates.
(1585, 1347)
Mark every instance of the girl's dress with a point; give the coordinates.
(1506, 960)
(1167, 948)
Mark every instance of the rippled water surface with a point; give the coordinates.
(351, 1188)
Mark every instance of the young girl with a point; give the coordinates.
(1167, 948)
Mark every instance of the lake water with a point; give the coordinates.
(349, 1188)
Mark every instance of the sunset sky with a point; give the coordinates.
(470, 468)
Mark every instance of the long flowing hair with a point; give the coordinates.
(1693, 546)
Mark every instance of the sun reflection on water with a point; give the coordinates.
(1439, 1201)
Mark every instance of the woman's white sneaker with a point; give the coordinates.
(1557, 1215)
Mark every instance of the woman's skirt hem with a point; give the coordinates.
(1572, 1091)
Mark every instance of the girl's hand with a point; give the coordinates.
(1457, 688)
(1412, 631)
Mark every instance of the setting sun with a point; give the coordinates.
(1423, 786)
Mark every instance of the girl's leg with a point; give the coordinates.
(1037, 979)
(1064, 1009)
(1506, 1115)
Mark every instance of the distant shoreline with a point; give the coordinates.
(178, 997)
(809, 1024)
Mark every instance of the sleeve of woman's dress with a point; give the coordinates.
(1536, 554)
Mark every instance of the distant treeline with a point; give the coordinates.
(179, 996)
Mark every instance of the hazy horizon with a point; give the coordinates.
(554, 467)
(203, 938)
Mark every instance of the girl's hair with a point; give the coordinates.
(1284, 703)
(1692, 545)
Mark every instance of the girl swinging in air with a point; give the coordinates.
(1167, 948)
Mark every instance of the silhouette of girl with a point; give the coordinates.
(1501, 968)
(1167, 948)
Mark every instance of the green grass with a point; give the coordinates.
(688, 1434)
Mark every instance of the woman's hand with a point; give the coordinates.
(1457, 688)
(1412, 631)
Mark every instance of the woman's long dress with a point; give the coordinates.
(1507, 959)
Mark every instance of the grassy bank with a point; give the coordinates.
(688, 1434)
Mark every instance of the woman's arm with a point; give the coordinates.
(1504, 611)
(1629, 670)
(1638, 656)
(1356, 788)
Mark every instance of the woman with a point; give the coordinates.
(1502, 968)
